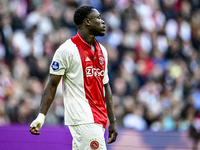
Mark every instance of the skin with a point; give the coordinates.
(110, 110)
(92, 26)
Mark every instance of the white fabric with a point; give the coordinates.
(67, 62)
(38, 122)
(88, 137)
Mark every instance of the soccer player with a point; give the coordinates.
(82, 63)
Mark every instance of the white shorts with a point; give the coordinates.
(88, 137)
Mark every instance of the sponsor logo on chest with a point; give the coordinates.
(90, 71)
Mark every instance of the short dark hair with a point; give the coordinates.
(81, 13)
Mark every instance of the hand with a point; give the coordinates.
(37, 124)
(112, 132)
(34, 131)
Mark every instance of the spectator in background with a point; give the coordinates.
(153, 47)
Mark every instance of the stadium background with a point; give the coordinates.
(154, 64)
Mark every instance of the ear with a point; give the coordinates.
(87, 22)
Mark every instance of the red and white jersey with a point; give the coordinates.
(84, 73)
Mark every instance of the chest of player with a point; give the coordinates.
(93, 63)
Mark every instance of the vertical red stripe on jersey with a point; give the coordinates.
(93, 64)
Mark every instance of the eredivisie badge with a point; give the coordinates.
(55, 65)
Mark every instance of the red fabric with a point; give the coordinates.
(93, 70)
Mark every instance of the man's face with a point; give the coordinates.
(97, 25)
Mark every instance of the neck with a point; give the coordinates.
(89, 38)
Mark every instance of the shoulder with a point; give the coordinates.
(65, 48)
(103, 49)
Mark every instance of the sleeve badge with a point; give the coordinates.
(55, 65)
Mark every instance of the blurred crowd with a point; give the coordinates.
(154, 59)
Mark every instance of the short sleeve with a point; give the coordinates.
(59, 62)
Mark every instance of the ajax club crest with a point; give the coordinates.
(101, 60)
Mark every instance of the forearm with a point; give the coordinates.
(47, 98)
(111, 115)
(109, 104)
(49, 93)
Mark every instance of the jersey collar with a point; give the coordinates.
(83, 41)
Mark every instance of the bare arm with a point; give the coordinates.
(110, 110)
(46, 101)
(49, 93)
